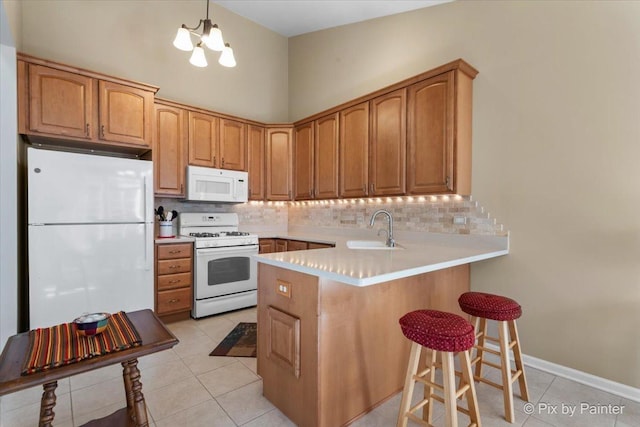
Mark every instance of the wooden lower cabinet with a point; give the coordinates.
(268, 246)
(174, 280)
(297, 245)
(314, 245)
(281, 245)
(348, 336)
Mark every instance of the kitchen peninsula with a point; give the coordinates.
(329, 345)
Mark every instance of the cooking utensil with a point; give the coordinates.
(160, 213)
(174, 214)
(169, 215)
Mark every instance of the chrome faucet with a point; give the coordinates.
(390, 242)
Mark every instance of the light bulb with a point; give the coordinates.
(226, 57)
(183, 40)
(197, 57)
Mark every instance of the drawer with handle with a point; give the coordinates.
(171, 281)
(181, 250)
(173, 266)
(174, 300)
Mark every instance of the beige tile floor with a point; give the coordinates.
(186, 387)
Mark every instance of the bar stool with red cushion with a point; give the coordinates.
(443, 333)
(482, 307)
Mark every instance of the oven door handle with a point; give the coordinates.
(227, 250)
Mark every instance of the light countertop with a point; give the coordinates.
(175, 239)
(419, 253)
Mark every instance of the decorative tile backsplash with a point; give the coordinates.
(428, 213)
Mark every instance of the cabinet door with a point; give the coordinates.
(388, 144)
(326, 157)
(255, 143)
(354, 151)
(169, 150)
(203, 139)
(281, 245)
(125, 114)
(303, 161)
(296, 245)
(267, 246)
(314, 245)
(278, 166)
(430, 135)
(60, 103)
(233, 145)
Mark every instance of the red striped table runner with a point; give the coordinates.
(61, 345)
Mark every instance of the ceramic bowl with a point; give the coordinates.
(91, 324)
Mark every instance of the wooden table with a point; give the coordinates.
(155, 337)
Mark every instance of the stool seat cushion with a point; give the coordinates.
(489, 306)
(438, 330)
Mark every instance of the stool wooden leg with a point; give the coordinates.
(47, 403)
(517, 356)
(407, 393)
(507, 389)
(470, 394)
(481, 344)
(449, 379)
(427, 411)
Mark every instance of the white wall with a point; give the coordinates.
(133, 39)
(8, 184)
(556, 150)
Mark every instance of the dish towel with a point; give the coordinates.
(61, 345)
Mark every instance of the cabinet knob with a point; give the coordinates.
(175, 251)
(87, 129)
(175, 281)
(102, 131)
(173, 301)
(174, 266)
(223, 162)
(214, 161)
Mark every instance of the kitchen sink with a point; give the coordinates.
(370, 244)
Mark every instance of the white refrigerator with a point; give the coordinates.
(90, 227)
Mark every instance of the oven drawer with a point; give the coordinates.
(172, 266)
(171, 281)
(174, 300)
(172, 251)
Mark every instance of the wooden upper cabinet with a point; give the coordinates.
(278, 164)
(303, 161)
(256, 161)
(169, 151)
(326, 157)
(60, 102)
(233, 145)
(78, 108)
(387, 170)
(203, 139)
(354, 151)
(125, 114)
(430, 105)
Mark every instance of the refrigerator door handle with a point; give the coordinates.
(144, 194)
(148, 246)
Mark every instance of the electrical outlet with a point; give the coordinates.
(459, 220)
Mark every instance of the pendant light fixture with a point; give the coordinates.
(211, 37)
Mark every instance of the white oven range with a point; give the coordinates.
(225, 272)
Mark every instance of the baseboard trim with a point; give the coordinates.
(585, 378)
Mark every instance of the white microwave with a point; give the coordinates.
(217, 185)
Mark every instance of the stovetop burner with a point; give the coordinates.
(204, 234)
(235, 233)
(220, 234)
